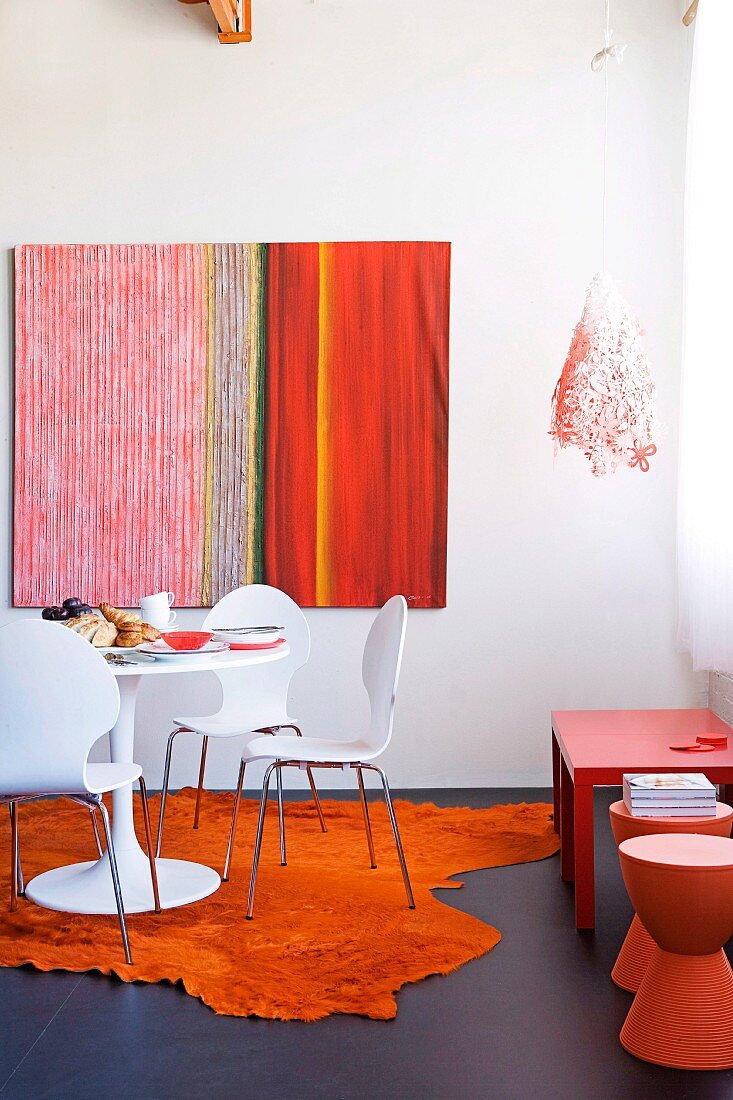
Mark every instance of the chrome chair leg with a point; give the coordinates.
(233, 826)
(14, 856)
(311, 780)
(149, 842)
(93, 815)
(272, 731)
(281, 817)
(200, 787)
(317, 800)
(115, 877)
(20, 886)
(258, 841)
(367, 822)
(395, 831)
(18, 864)
(164, 791)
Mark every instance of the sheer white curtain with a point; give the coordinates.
(705, 520)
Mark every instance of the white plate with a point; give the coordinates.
(116, 649)
(248, 637)
(159, 649)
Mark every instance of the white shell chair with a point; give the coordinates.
(380, 673)
(253, 702)
(59, 697)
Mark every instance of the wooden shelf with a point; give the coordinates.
(233, 16)
(689, 17)
(235, 36)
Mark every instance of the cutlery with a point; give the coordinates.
(118, 659)
(246, 629)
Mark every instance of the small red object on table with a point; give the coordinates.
(712, 739)
(594, 748)
(186, 640)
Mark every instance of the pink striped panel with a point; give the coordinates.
(110, 389)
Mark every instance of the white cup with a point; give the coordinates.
(156, 610)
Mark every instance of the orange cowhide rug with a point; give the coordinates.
(329, 934)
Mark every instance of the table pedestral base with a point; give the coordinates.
(87, 887)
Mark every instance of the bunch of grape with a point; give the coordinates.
(72, 608)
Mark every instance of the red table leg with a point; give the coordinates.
(585, 897)
(555, 784)
(567, 831)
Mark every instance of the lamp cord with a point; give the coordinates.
(605, 128)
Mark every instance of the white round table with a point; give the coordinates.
(87, 887)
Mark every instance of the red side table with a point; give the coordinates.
(594, 748)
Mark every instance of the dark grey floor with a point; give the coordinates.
(538, 1016)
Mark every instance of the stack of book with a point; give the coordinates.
(669, 795)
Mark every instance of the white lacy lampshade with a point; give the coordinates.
(604, 401)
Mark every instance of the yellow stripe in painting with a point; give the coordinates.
(209, 483)
(323, 556)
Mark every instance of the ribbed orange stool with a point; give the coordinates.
(681, 885)
(638, 947)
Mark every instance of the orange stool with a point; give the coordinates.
(681, 885)
(638, 947)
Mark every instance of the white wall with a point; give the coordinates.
(477, 121)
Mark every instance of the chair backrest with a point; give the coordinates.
(380, 669)
(57, 697)
(255, 697)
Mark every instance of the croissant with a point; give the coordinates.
(123, 620)
(149, 633)
(128, 639)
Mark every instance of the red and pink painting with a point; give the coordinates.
(195, 417)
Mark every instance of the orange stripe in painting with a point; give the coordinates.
(323, 545)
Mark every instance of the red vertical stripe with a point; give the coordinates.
(291, 379)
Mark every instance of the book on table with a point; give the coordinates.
(669, 794)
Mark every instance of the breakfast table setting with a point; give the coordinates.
(136, 646)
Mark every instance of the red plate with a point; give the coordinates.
(693, 748)
(256, 645)
(714, 739)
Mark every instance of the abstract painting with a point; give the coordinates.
(192, 417)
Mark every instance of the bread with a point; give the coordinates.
(131, 629)
(106, 634)
(89, 630)
(79, 624)
(123, 620)
(98, 631)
